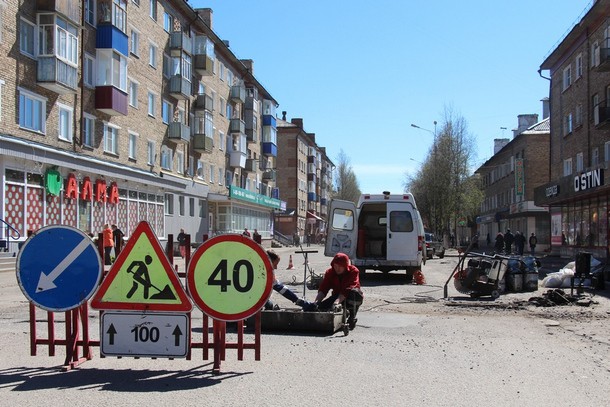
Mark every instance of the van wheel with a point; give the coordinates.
(441, 254)
(409, 275)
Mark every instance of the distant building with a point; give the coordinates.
(306, 181)
(578, 191)
(509, 178)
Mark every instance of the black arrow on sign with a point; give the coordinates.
(177, 333)
(111, 332)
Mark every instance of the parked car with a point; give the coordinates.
(434, 246)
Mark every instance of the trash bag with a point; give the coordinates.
(558, 279)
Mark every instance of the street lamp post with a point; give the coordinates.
(434, 146)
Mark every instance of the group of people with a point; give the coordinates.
(342, 280)
(504, 242)
(255, 236)
(112, 238)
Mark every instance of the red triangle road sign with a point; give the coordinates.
(142, 278)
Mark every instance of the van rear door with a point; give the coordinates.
(402, 231)
(342, 231)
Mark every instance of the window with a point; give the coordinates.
(580, 162)
(220, 175)
(223, 108)
(136, 2)
(168, 22)
(192, 207)
(169, 204)
(1, 84)
(166, 158)
(134, 43)
(595, 105)
(567, 167)
(89, 71)
(222, 71)
(133, 93)
(152, 100)
(180, 162)
(595, 157)
(32, 111)
(578, 66)
(111, 69)
(181, 205)
(119, 14)
(26, 37)
(167, 111)
(88, 130)
(229, 112)
(111, 138)
(567, 77)
(152, 55)
(578, 116)
(90, 12)
(150, 153)
(567, 124)
(133, 142)
(212, 173)
(66, 115)
(607, 151)
(57, 37)
(221, 140)
(594, 54)
(229, 77)
(167, 66)
(153, 9)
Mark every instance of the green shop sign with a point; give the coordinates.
(245, 195)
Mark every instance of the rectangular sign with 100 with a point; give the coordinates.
(144, 334)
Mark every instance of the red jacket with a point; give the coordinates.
(340, 284)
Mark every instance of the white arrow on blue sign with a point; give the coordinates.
(59, 268)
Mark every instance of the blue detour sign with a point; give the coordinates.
(59, 268)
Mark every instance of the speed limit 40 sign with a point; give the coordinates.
(230, 277)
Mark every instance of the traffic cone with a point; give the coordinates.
(290, 265)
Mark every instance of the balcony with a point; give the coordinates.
(56, 75)
(237, 159)
(251, 124)
(604, 60)
(269, 149)
(311, 168)
(108, 36)
(238, 93)
(204, 65)
(250, 165)
(69, 8)
(111, 100)
(179, 87)
(179, 42)
(269, 120)
(237, 126)
(323, 201)
(312, 178)
(179, 133)
(203, 102)
(202, 143)
(311, 197)
(204, 55)
(601, 115)
(269, 175)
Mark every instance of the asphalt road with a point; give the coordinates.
(411, 347)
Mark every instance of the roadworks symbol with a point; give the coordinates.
(142, 278)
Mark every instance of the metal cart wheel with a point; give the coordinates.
(344, 321)
(495, 294)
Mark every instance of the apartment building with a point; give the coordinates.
(306, 182)
(578, 193)
(509, 179)
(118, 111)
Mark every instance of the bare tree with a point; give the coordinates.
(443, 188)
(346, 183)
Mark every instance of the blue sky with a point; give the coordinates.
(360, 72)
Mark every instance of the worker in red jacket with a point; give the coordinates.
(344, 281)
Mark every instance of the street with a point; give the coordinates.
(410, 347)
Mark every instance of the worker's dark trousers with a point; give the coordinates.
(352, 302)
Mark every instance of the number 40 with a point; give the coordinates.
(220, 276)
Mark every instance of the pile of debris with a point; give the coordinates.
(559, 297)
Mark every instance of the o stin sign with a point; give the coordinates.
(588, 180)
(87, 193)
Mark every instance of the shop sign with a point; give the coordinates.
(86, 191)
(588, 180)
(551, 191)
(245, 195)
(519, 177)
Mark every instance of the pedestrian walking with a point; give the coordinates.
(182, 243)
(117, 236)
(499, 242)
(246, 233)
(509, 238)
(257, 237)
(533, 242)
(519, 243)
(108, 242)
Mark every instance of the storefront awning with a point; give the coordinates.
(311, 215)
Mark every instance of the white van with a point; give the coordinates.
(383, 232)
